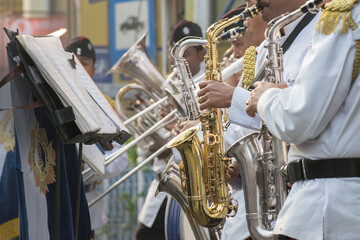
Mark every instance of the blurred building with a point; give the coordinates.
(112, 25)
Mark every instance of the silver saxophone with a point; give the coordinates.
(262, 158)
(187, 84)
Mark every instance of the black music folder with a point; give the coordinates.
(75, 105)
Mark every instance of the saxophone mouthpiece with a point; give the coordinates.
(231, 34)
(259, 6)
(250, 12)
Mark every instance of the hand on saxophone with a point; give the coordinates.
(165, 110)
(182, 126)
(234, 171)
(260, 88)
(215, 94)
(158, 143)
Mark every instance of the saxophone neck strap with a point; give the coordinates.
(286, 45)
(297, 30)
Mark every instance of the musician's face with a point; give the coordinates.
(88, 64)
(194, 58)
(239, 46)
(274, 8)
(234, 171)
(255, 27)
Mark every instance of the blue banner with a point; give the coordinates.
(102, 65)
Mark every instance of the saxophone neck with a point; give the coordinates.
(275, 66)
(187, 85)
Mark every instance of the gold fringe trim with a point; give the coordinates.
(9, 229)
(356, 61)
(334, 11)
(249, 67)
(356, 64)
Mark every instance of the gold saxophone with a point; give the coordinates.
(203, 171)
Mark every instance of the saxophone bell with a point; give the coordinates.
(207, 214)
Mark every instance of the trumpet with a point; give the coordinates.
(88, 174)
(144, 117)
(151, 87)
(129, 174)
(233, 68)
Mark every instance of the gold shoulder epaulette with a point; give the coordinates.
(334, 11)
(330, 18)
(249, 67)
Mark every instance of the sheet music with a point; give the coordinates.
(94, 158)
(50, 58)
(107, 112)
(73, 85)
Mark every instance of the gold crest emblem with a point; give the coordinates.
(7, 138)
(41, 159)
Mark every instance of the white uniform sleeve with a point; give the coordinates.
(119, 165)
(302, 112)
(237, 114)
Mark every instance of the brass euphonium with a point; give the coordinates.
(136, 62)
(204, 167)
(142, 115)
(262, 157)
(145, 97)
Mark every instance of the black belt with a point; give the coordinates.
(306, 169)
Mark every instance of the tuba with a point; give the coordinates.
(136, 62)
(262, 158)
(147, 93)
(204, 166)
(140, 112)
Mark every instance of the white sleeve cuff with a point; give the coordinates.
(237, 114)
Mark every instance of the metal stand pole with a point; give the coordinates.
(57, 188)
(78, 193)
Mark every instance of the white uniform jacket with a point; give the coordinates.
(236, 227)
(153, 203)
(293, 58)
(320, 116)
